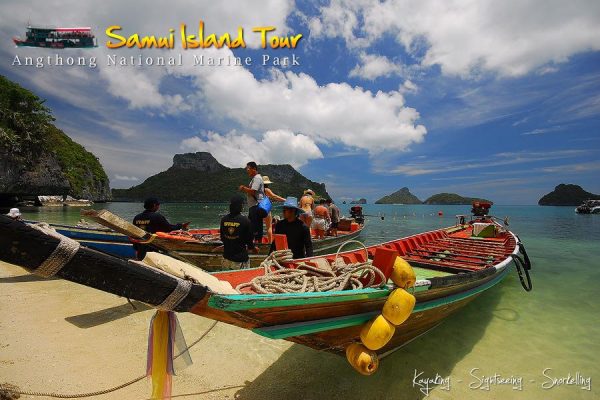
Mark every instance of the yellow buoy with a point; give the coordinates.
(403, 275)
(376, 333)
(362, 359)
(398, 306)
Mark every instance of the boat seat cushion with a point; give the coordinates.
(184, 270)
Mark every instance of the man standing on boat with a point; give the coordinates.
(334, 212)
(236, 235)
(297, 233)
(152, 221)
(255, 192)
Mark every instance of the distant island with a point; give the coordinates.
(566, 195)
(359, 201)
(402, 196)
(452, 198)
(37, 158)
(199, 177)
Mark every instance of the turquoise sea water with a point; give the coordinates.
(504, 337)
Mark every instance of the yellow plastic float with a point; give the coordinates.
(398, 306)
(403, 275)
(362, 359)
(376, 333)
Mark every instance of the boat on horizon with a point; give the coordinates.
(57, 38)
(452, 266)
(591, 206)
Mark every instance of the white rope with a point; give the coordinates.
(62, 254)
(177, 295)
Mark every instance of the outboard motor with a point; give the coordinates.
(357, 213)
(480, 208)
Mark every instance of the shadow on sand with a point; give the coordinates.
(106, 315)
(304, 373)
(25, 278)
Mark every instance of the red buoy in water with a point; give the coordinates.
(440, 213)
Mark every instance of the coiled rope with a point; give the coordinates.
(307, 278)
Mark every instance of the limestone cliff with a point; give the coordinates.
(37, 158)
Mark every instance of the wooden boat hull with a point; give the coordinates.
(327, 321)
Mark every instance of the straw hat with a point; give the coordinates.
(309, 191)
(14, 213)
(266, 180)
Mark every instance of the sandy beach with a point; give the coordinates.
(57, 336)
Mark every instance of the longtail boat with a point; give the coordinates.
(199, 247)
(452, 266)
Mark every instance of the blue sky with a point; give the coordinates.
(492, 99)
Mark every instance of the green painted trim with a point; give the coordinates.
(238, 302)
(308, 327)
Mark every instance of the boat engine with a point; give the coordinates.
(357, 213)
(480, 208)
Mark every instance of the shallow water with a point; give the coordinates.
(504, 335)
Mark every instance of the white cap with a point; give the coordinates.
(14, 212)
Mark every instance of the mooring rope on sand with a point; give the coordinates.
(11, 392)
(307, 278)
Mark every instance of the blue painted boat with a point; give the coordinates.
(102, 239)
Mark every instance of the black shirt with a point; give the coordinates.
(298, 237)
(236, 236)
(153, 222)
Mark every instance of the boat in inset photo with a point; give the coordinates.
(58, 38)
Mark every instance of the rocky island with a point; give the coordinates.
(199, 177)
(37, 158)
(402, 196)
(566, 195)
(453, 199)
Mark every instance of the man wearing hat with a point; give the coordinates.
(297, 233)
(152, 221)
(15, 214)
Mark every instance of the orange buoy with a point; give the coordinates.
(362, 359)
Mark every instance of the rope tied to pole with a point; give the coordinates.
(62, 254)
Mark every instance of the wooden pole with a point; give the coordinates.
(28, 248)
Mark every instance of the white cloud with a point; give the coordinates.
(372, 67)
(480, 164)
(235, 149)
(125, 178)
(408, 87)
(539, 131)
(336, 112)
(511, 38)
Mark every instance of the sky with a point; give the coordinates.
(481, 98)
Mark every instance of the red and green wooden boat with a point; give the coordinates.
(452, 268)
